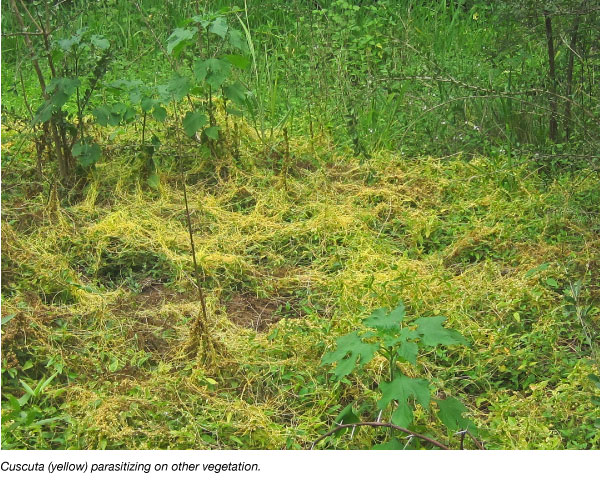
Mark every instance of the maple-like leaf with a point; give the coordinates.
(432, 333)
(381, 320)
(451, 414)
(350, 349)
(402, 388)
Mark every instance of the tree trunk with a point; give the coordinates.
(570, 66)
(553, 126)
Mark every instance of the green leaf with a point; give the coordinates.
(350, 349)
(212, 132)
(159, 113)
(381, 320)
(238, 61)
(102, 115)
(61, 89)
(237, 40)
(347, 416)
(148, 104)
(219, 27)
(114, 365)
(46, 421)
(235, 92)
(551, 282)
(43, 113)
(393, 444)
(129, 115)
(433, 334)
(178, 39)
(177, 88)
(201, 20)
(86, 153)
(408, 351)
(63, 85)
(41, 386)
(537, 269)
(27, 388)
(8, 318)
(451, 414)
(402, 388)
(154, 180)
(14, 402)
(67, 44)
(212, 71)
(100, 42)
(193, 121)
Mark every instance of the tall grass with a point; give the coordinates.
(436, 77)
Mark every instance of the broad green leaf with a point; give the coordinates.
(236, 93)
(238, 61)
(178, 38)
(212, 132)
(86, 153)
(100, 42)
(408, 351)
(201, 20)
(8, 318)
(64, 85)
(393, 444)
(102, 115)
(177, 88)
(61, 89)
(154, 180)
(237, 40)
(200, 69)
(212, 71)
(159, 113)
(129, 115)
(114, 365)
(402, 388)
(43, 113)
(67, 44)
(14, 402)
(347, 416)
(194, 121)
(381, 320)
(433, 334)
(451, 414)
(148, 104)
(219, 27)
(350, 349)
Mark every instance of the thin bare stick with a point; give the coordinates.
(377, 425)
(201, 324)
(477, 443)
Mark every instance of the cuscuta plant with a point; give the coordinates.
(389, 335)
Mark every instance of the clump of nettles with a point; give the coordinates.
(398, 340)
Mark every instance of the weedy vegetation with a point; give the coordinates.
(307, 224)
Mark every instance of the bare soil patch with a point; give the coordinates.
(246, 310)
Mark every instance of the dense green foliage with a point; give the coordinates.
(339, 156)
